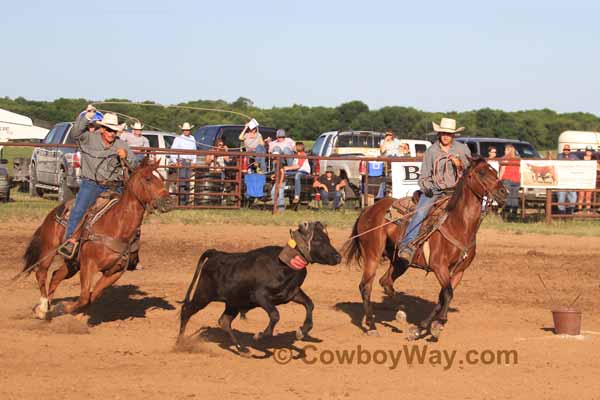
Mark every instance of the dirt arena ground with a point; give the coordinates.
(124, 347)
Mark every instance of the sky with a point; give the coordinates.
(431, 55)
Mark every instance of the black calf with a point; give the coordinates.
(259, 278)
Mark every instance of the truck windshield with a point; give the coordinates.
(358, 140)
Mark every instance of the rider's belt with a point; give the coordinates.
(110, 184)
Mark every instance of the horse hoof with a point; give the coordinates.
(39, 314)
(372, 333)
(414, 333)
(401, 316)
(436, 329)
(299, 334)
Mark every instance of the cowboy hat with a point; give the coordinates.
(137, 126)
(110, 121)
(447, 125)
(186, 126)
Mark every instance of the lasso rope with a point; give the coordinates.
(449, 176)
(169, 106)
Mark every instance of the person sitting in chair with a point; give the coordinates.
(442, 166)
(100, 169)
(330, 186)
(300, 168)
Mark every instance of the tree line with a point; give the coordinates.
(540, 127)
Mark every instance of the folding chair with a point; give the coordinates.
(255, 188)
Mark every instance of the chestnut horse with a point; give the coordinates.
(452, 246)
(145, 190)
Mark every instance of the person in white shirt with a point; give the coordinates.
(184, 161)
(300, 167)
(282, 145)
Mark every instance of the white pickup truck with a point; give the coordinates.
(353, 145)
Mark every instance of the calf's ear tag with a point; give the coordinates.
(292, 243)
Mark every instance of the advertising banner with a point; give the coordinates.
(558, 174)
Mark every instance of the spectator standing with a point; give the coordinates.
(493, 152)
(135, 138)
(389, 146)
(568, 197)
(254, 143)
(584, 198)
(185, 141)
(330, 185)
(510, 175)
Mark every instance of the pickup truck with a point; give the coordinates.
(56, 169)
(353, 145)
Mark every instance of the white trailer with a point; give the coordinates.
(15, 127)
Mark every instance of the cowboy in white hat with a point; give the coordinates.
(444, 155)
(135, 138)
(185, 141)
(99, 170)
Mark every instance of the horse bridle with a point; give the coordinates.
(475, 176)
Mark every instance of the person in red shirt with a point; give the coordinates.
(510, 175)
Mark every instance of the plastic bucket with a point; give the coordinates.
(567, 321)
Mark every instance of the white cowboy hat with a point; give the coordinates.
(137, 126)
(186, 126)
(110, 121)
(447, 125)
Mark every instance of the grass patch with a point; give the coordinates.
(557, 227)
(339, 219)
(10, 153)
(25, 208)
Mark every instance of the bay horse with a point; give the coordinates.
(104, 250)
(452, 246)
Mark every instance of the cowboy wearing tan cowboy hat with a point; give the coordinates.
(99, 171)
(434, 181)
(135, 138)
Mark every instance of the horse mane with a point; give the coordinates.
(474, 161)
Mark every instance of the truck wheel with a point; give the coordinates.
(64, 191)
(33, 191)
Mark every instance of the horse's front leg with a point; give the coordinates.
(104, 282)
(86, 275)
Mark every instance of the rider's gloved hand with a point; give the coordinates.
(428, 192)
(122, 153)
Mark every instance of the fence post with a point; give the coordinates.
(548, 206)
(523, 204)
(277, 178)
(366, 188)
(238, 177)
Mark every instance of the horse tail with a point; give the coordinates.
(352, 249)
(197, 273)
(33, 252)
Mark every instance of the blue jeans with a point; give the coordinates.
(260, 160)
(280, 196)
(88, 192)
(326, 196)
(412, 230)
(297, 181)
(184, 173)
(286, 151)
(568, 197)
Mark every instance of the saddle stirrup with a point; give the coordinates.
(68, 250)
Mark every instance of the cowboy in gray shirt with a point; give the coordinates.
(441, 168)
(100, 168)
